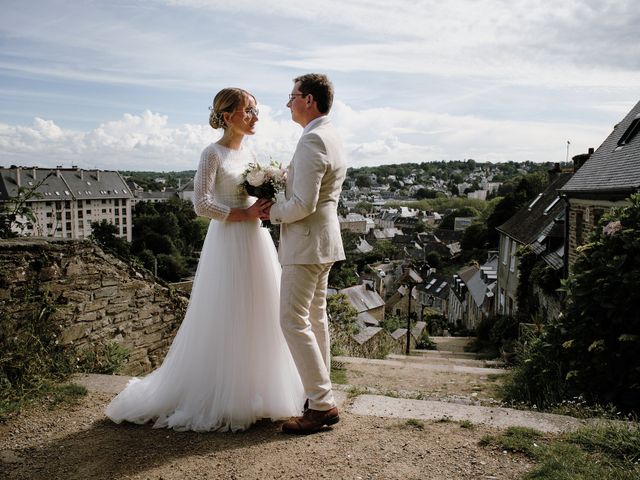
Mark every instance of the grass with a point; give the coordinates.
(355, 391)
(48, 393)
(415, 424)
(605, 451)
(65, 394)
(467, 424)
(338, 376)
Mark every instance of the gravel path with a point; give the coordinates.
(78, 442)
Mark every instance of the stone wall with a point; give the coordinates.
(95, 297)
(584, 215)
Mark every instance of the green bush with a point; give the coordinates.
(592, 350)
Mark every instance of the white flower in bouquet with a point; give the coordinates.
(256, 177)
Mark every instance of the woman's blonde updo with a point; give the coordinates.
(226, 100)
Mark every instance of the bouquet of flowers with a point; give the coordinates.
(264, 181)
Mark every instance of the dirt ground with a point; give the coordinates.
(78, 442)
(434, 381)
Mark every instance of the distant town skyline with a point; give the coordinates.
(126, 85)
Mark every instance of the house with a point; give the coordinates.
(367, 302)
(481, 293)
(154, 197)
(353, 222)
(605, 180)
(372, 342)
(434, 294)
(536, 225)
(405, 297)
(458, 298)
(187, 191)
(67, 200)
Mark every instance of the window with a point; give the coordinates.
(79, 203)
(68, 226)
(68, 215)
(117, 221)
(88, 211)
(514, 247)
(116, 202)
(124, 230)
(104, 210)
(80, 214)
(631, 132)
(49, 214)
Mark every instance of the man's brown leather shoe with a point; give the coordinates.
(311, 422)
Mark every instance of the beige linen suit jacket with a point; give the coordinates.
(310, 230)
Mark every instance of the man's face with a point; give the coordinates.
(297, 103)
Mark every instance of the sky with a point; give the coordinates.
(126, 85)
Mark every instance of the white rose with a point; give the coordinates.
(271, 172)
(256, 177)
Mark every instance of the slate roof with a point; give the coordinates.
(362, 298)
(366, 334)
(399, 333)
(367, 319)
(436, 285)
(538, 215)
(64, 183)
(479, 284)
(417, 329)
(611, 168)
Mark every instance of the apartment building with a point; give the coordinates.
(65, 201)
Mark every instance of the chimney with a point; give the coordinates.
(18, 180)
(35, 171)
(554, 171)
(98, 175)
(81, 174)
(579, 160)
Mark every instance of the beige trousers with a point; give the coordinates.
(303, 318)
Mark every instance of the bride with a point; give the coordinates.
(229, 364)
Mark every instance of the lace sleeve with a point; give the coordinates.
(204, 203)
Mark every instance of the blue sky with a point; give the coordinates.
(126, 84)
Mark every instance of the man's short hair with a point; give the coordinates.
(318, 85)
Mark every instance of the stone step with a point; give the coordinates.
(447, 359)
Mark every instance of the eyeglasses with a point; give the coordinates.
(294, 95)
(251, 111)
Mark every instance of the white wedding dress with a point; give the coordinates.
(229, 364)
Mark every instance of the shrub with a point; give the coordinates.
(592, 350)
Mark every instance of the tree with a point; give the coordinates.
(342, 313)
(363, 181)
(16, 214)
(423, 193)
(449, 220)
(363, 207)
(105, 234)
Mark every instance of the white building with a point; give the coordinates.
(66, 200)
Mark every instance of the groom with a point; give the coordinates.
(310, 242)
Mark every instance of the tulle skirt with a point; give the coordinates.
(229, 364)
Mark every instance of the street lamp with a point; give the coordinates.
(409, 279)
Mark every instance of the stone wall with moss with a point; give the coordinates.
(93, 296)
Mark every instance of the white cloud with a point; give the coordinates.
(148, 142)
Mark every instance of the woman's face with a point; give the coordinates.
(244, 118)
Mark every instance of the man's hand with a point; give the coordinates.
(265, 211)
(256, 210)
